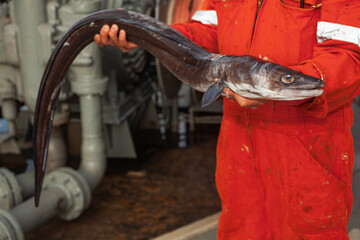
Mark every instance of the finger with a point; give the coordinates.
(123, 43)
(242, 101)
(132, 45)
(97, 40)
(122, 38)
(113, 33)
(245, 102)
(249, 103)
(104, 34)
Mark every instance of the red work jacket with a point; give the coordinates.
(284, 33)
(300, 150)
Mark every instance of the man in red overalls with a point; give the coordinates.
(284, 169)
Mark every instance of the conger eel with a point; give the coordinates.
(190, 63)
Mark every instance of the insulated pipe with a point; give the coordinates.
(57, 150)
(15, 189)
(65, 194)
(26, 182)
(87, 82)
(29, 14)
(93, 158)
(52, 203)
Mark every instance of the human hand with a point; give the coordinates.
(109, 36)
(244, 102)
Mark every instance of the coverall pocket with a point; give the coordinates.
(317, 198)
(295, 4)
(297, 29)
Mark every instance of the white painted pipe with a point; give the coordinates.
(28, 16)
(26, 183)
(88, 83)
(93, 157)
(69, 192)
(29, 217)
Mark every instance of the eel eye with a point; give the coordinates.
(287, 78)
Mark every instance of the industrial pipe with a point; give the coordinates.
(15, 189)
(93, 157)
(66, 192)
(28, 16)
(53, 202)
(87, 82)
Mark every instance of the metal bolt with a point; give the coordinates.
(67, 180)
(3, 236)
(77, 193)
(78, 209)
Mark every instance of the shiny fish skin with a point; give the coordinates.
(190, 63)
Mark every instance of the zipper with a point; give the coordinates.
(260, 4)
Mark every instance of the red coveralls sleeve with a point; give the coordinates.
(337, 62)
(205, 35)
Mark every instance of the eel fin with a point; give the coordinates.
(212, 93)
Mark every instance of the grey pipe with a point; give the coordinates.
(26, 182)
(28, 16)
(57, 150)
(87, 82)
(66, 193)
(23, 184)
(93, 158)
(29, 217)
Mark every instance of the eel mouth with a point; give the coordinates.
(290, 94)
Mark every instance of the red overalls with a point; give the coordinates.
(284, 170)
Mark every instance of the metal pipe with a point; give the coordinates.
(26, 183)
(53, 201)
(88, 83)
(9, 112)
(22, 185)
(66, 193)
(29, 14)
(93, 157)
(57, 150)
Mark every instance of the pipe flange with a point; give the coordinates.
(9, 227)
(10, 190)
(89, 87)
(77, 191)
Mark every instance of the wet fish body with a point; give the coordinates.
(203, 71)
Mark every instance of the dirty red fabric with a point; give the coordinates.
(284, 170)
